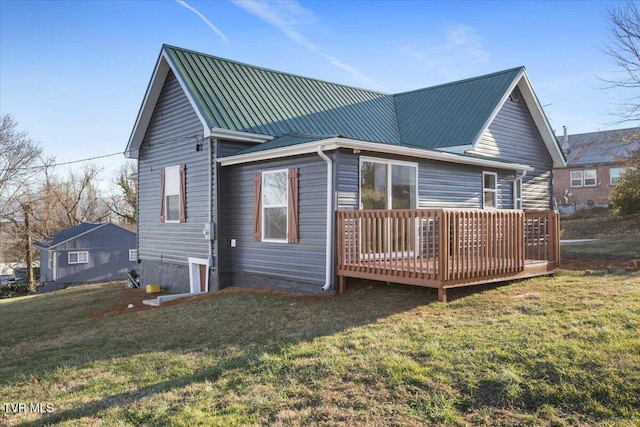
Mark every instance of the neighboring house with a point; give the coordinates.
(86, 253)
(594, 163)
(243, 174)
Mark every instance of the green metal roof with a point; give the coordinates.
(451, 114)
(287, 140)
(236, 96)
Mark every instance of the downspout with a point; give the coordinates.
(328, 252)
(210, 210)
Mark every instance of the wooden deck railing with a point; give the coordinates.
(430, 247)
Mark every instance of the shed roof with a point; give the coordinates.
(603, 147)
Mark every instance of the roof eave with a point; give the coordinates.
(537, 113)
(335, 143)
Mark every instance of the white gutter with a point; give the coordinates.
(334, 143)
(328, 252)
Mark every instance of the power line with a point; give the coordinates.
(65, 163)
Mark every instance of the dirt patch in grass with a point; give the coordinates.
(136, 296)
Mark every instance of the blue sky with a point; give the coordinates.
(73, 73)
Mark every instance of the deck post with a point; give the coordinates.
(442, 295)
(341, 283)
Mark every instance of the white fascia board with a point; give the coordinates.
(537, 113)
(335, 143)
(236, 135)
(151, 97)
(458, 149)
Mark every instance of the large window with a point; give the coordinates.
(173, 194)
(78, 257)
(387, 185)
(274, 206)
(489, 190)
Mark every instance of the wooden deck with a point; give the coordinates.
(444, 249)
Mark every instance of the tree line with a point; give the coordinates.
(37, 200)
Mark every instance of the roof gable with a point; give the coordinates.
(451, 114)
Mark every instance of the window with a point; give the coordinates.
(489, 190)
(275, 206)
(517, 193)
(78, 257)
(173, 194)
(590, 178)
(576, 179)
(133, 254)
(51, 255)
(614, 175)
(387, 185)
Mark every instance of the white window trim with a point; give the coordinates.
(286, 206)
(620, 170)
(135, 254)
(517, 201)
(389, 163)
(78, 253)
(571, 179)
(491, 190)
(167, 170)
(595, 172)
(50, 263)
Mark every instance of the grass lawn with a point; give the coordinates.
(561, 350)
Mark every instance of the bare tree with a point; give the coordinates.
(124, 203)
(624, 48)
(18, 155)
(66, 201)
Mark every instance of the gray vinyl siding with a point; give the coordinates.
(347, 171)
(107, 249)
(440, 184)
(302, 262)
(513, 136)
(46, 274)
(171, 138)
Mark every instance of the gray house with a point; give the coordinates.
(252, 177)
(86, 253)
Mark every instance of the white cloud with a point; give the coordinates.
(287, 16)
(204, 18)
(460, 52)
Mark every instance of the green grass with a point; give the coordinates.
(552, 351)
(600, 225)
(626, 247)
